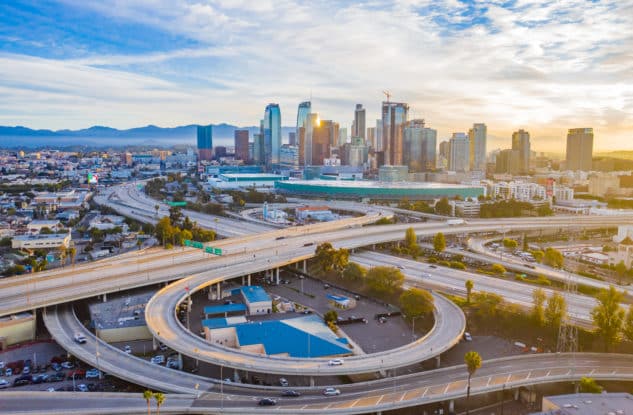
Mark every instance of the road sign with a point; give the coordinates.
(187, 242)
(217, 251)
(208, 250)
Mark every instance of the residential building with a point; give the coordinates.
(521, 143)
(241, 145)
(477, 137)
(272, 136)
(459, 153)
(394, 117)
(508, 161)
(205, 142)
(579, 149)
(520, 191)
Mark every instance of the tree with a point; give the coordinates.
(473, 362)
(164, 231)
(469, 284)
(488, 304)
(416, 302)
(510, 243)
(538, 308)
(175, 215)
(555, 311)
(340, 259)
(443, 207)
(627, 328)
(148, 395)
(589, 385)
(45, 230)
(323, 254)
(411, 242)
(384, 280)
(439, 242)
(62, 255)
(608, 316)
(538, 255)
(159, 397)
(553, 258)
(330, 316)
(498, 269)
(354, 272)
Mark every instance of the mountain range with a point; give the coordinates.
(99, 136)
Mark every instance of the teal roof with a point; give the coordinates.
(226, 308)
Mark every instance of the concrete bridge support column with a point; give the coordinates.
(277, 275)
(516, 394)
(249, 279)
(236, 376)
(576, 387)
(312, 381)
(105, 297)
(218, 294)
(451, 406)
(179, 361)
(242, 280)
(305, 266)
(437, 361)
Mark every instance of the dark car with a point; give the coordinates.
(22, 380)
(267, 402)
(40, 378)
(56, 377)
(56, 366)
(290, 393)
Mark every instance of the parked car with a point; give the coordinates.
(67, 365)
(23, 380)
(335, 362)
(40, 378)
(331, 391)
(8, 372)
(4, 383)
(82, 388)
(56, 366)
(56, 377)
(267, 402)
(93, 374)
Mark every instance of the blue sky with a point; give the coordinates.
(540, 65)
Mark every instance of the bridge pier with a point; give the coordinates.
(312, 381)
(105, 297)
(277, 275)
(437, 361)
(242, 280)
(249, 280)
(218, 294)
(236, 376)
(516, 394)
(305, 266)
(451, 406)
(576, 387)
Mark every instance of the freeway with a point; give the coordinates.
(359, 398)
(453, 281)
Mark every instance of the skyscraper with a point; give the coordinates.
(419, 146)
(508, 161)
(306, 138)
(304, 109)
(459, 153)
(241, 145)
(477, 140)
(272, 135)
(579, 149)
(342, 136)
(521, 143)
(394, 115)
(205, 142)
(371, 137)
(359, 122)
(292, 138)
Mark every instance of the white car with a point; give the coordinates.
(335, 362)
(468, 337)
(283, 382)
(158, 359)
(127, 349)
(4, 384)
(331, 392)
(80, 338)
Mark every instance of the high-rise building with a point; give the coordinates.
(359, 122)
(205, 142)
(304, 109)
(289, 157)
(259, 156)
(322, 137)
(342, 136)
(241, 145)
(419, 146)
(579, 149)
(508, 161)
(306, 134)
(272, 135)
(394, 116)
(371, 137)
(292, 138)
(459, 149)
(335, 133)
(380, 146)
(477, 140)
(521, 143)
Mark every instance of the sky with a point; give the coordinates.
(544, 66)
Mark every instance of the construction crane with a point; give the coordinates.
(388, 94)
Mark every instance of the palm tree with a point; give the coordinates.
(469, 289)
(160, 399)
(473, 362)
(148, 395)
(62, 255)
(72, 251)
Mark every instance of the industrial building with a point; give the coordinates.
(587, 404)
(121, 318)
(16, 328)
(302, 337)
(377, 190)
(244, 180)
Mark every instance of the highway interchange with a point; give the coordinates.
(251, 252)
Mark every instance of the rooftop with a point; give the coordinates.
(254, 294)
(367, 184)
(226, 308)
(590, 404)
(120, 311)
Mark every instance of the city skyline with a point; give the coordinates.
(545, 68)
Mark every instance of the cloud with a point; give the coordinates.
(540, 65)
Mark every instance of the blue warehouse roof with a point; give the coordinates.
(254, 294)
(291, 337)
(226, 308)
